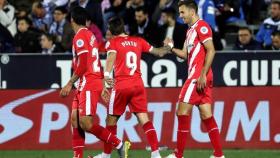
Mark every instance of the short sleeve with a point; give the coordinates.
(110, 46)
(146, 47)
(204, 32)
(81, 46)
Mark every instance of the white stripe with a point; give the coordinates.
(189, 91)
(209, 38)
(194, 54)
(82, 52)
(78, 147)
(150, 130)
(111, 103)
(192, 72)
(192, 37)
(212, 130)
(108, 138)
(88, 103)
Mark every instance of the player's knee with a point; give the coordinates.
(85, 123)
(205, 115)
(111, 120)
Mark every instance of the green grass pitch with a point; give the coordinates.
(141, 154)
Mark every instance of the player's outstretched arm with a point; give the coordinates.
(178, 52)
(161, 51)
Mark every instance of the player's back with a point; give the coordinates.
(127, 64)
(85, 42)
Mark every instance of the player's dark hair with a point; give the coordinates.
(189, 4)
(143, 9)
(245, 28)
(116, 25)
(79, 15)
(171, 12)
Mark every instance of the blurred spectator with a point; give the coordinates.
(269, 25)
(61, 28)
(172, 29)
(55, 3)
(131, 6)
(48, 44)
(93, 8)
(145, 27)
(230, 16)
(275, 42)
(26, 40)
(250, 6)
(108, 36)
(117, 8)
(163, 4)
(245, 40)
(41, 16)
(6, 40)
(7, 16)
(206, 11)
(95, 30)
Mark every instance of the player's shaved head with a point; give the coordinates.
(116, 26)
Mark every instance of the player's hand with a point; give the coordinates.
(168, 42)
(105, 95)
(109, 81)
(65, 91)
(201, 83)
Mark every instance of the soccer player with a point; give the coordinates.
(199, 52)
(124, 54)
(86, 65)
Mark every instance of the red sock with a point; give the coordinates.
(214, 136)
(104, 135)
(108, 147)
(151, 135)
(78, 142)
(182, 133)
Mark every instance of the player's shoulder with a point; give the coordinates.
(203, 27)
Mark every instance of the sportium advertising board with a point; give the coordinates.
(39, 119)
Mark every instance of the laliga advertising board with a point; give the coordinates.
(38, 119)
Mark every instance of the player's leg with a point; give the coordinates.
(78, 135)
(212, 128)
(150, 132)
(111, 125)
(138, 105)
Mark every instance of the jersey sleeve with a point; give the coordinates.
(81, 45)
(204, 32)
(146, 47)
(110, 46)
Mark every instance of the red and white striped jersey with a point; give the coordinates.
(197, 34)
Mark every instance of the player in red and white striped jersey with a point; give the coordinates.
(197, 90)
